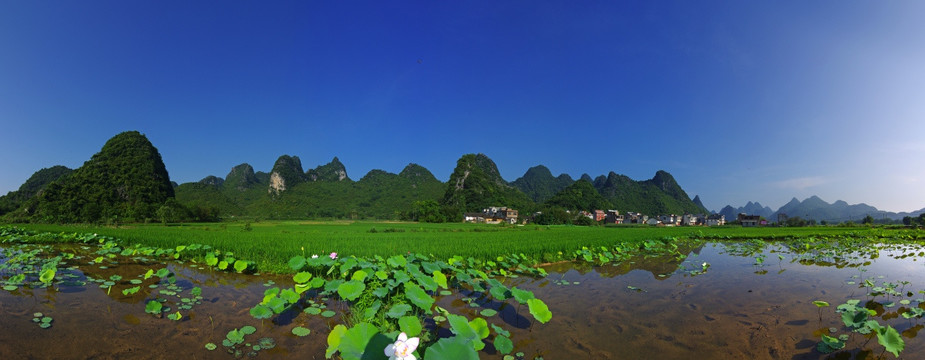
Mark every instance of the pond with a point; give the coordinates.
(719, 300)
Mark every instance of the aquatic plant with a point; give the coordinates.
(403, 348)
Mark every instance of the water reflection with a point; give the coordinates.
(715, 301)
(738, 308)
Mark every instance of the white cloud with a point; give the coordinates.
(801, 183)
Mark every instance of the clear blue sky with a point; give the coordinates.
(740, 101)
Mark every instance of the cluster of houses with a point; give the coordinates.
(492, 215)
(497, 215)
(614, 217)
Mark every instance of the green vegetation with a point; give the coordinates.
(656, 196)
(36, 183)
(476, 184)
(125, 181)
(581, 195)
(271, 243)
(395, 291)
(378, 195)
(539, 184)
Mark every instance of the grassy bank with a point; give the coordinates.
(272, 243)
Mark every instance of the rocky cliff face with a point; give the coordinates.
(332, 171)
(476, 184)
(286, 173)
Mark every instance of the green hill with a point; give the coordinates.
(126, 180)
(332, 171)
(580, 196)
(656, 196)
(329, 194)
(35, 184)
(539, 184)
(476, 184)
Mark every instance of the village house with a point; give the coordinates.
(653, 221)
(691, 220)
(613, 217)
(492, 215)
(635, 218)
(599, 215)
(748, 220)
(586, 214)
(670, 220)
(715, 220)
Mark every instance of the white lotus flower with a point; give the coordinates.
(403, 348)
(314, 256)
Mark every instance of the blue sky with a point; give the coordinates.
(740, 101)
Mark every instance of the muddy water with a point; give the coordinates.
(647, 308)
(736, 310)
(90, 323)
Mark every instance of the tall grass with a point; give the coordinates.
(271, 244)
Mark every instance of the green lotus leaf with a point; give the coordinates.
(410, 325)
(300, 331)
(363, 336)
(440, 279)
(296, 263)
(451, 348)
(302, 277)
(418, 297)
(539, 310)
(522, 295)
(890, 339)
(351, 290)
(240, 266)
(334, 339)
(398, 310)
(503, 344)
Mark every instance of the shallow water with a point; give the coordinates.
(649, 307)
(736, 310)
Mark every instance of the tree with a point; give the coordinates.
(795, 221)
(172, 211)
(553, 216)
(427, 211)
(868, 220)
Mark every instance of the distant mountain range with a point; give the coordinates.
(126, 181)
(814, 208)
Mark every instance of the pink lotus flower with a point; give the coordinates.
(333, 255)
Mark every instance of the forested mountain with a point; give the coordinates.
(332, 171)
(659, 195)
(125, 180)
(35, 184)
(698, 202)
(325, 191)
(476, 184)
(814, 208)
(751, 208)
(817, 209)
(286, 173)
(539, 184)
(581, 196)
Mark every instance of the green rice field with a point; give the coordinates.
(270, 244)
